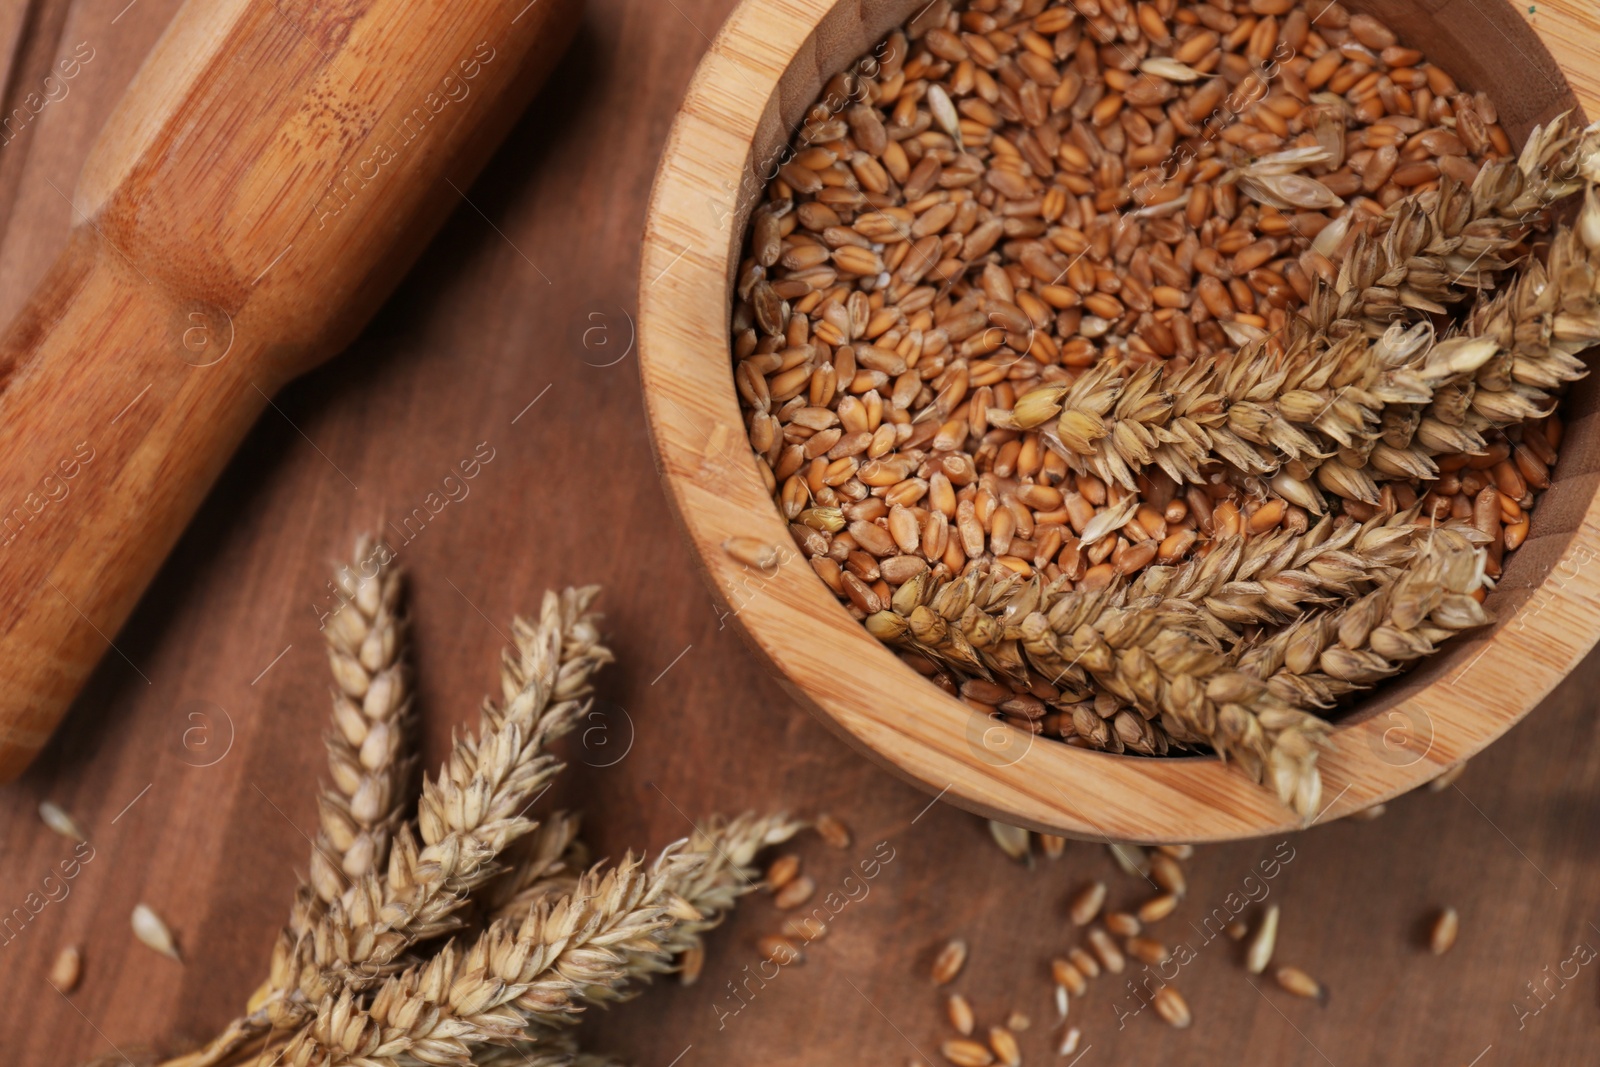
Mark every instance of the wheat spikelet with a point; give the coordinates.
(542, 865)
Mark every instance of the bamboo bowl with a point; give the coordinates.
(764, 70)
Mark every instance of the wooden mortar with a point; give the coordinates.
(764, 70)
(274, 169)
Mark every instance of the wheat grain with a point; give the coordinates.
(1106, 951)
(1301, 984)
(1086, 903)
(1147, 950)
(1158, 907)
(66, 969)
(152, 932)
(782, 871)
(1442, 936)
(1069, 1041)
(55, 817)
(948, 963)
(959, 1012)
(1084, 961)
(964, 1052)
(1168, 874)
(834, 832)
(1259, 954)
(1068, 977)
(1004, 1045)
(1172, 1008)
(1013, 840)
(1123, 924)
(796, 893)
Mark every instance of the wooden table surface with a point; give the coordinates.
(193, 755)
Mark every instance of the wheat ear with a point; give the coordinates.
(368, 745)
(1337, 405)
(722, 872)
(1436, 249)
(460, 998)
(1329, 654)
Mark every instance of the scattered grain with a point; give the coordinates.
(796, 893)
(1122, 924)
(1013, 840)
(780, 950)
(1106, 951)
(782, 871)
(948, 963)
(1172, 1008)
(959, 1012)
(1084, 961)
(966, 1053)
(59, 821)
(1086, 903)
(834, 832)
(152, 932)
(1004, 1044)
(66, 969)
(1259, 954)
(1443, 934)
(1067, 975)
(1157, 908)
(1069, 1041)
(1301, 984)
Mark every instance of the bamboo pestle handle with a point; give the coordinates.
(273, 170)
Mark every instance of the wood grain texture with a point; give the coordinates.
(473, 336)
(711, 179)
(263, 184)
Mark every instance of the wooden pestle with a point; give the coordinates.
(273, 170)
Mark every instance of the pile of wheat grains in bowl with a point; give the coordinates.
(1155, 375)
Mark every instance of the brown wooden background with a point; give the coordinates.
(528, 296)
